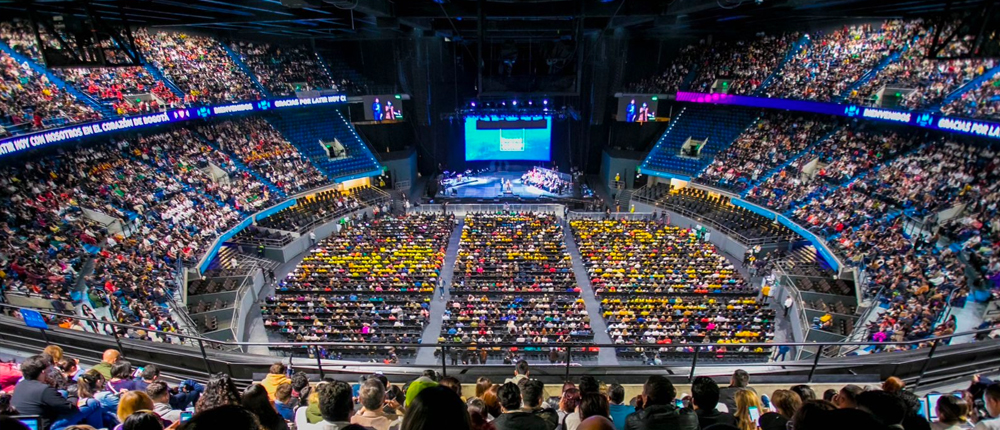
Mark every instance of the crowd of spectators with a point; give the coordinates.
(982, 102)
(772, 142)
(827, 66)
(198, 65)
(920, 69)
(62, 394)
(513, 283)
(372, 282)
(315, 209)
(283, 70)
(848, 152)
(664, 286)
(261, 147)
(28, 99)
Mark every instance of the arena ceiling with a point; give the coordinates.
(502, 19)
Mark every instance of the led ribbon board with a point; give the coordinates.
(933, 121)
(16, 144)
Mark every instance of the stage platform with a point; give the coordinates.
(490, 185)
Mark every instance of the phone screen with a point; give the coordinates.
(754, 414)
(185, 416)
(679, 403)
(138, 372)
(923, 408)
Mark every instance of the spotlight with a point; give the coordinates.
(514, 102)
(545, 102)
(530, 103)
(473, 104)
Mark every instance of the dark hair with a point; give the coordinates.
(805, 393)
(593, 404)
(850, 392)
(335, 401)
(522, 367)
(658, 390)
(122, 369)
(510, 396)
(7, 422)
(219, 391)
(786, 402)
(222, 417)
(992, 391)
(828, 394)
(589, 384)
(33, 367)
(531, 393)
(66, 364)
(887, 407)
(812, 414)
(372, 394)
(277, 369)
(451, 383)
(157, 389)
(88, 384)
(283, 392)
(910, 401)
(142, 420)
(431, 374)
(150, 372)
(952, 409)
(704, 393)
(616, 393)
(740, 378)
(437, 408)
(300, 381)
(5, 407)
(256, 400)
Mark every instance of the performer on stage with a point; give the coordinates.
(390, 110)
(630, 111)
(643, 113)
(377, 110)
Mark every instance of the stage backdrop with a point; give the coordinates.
(503, 139)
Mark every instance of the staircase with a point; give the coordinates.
(307, 128)
(806, 150)
(889, 59)
(238, 60)
(795, 49)
(971, 85)
(243, 167)
(57, 81)
(721, 125)
(156, 73)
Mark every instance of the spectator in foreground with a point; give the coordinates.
(143, 420)
(655, 408)
(220, 391)
(893, 384)
(619, 410)
(109, 358)
(568, 403)
(520, 372)
(160, 393)
(805, 393)
(784, 404)
(222, 417)
(513, 417)
(596, 423)
(437, 408)
(372, 399)
(886, 407)
(704, 401)
(952, 412)
(745, 400)
(132, 401)
(34, 396)
(255, 400)
(727, 396)
(275, 377)
(284, 403)
(594, 405)
(335, 406)
(991, 400)
(811, 414)
(532, 392)
(847, 397)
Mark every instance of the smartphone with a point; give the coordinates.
(754, 414)
(679, 403)
(923, 408)
(138, 372)
(185, 416)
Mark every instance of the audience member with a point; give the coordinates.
(133, 401)
(656, 410)
(704, 399)
(372, 399)
(618, 409)
(34, 396)
(439, 408)
(513, 416)
(745, 401)
(219, 391)
(739, 381)
(160, 394)
(785, 403)
(256, 399)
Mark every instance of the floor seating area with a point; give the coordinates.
(664, 291)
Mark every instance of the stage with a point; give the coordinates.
(490, 185)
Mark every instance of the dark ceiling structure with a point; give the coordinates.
(500, 19)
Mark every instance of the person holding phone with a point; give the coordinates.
(953, 414)
(748, 410)
(785, 402)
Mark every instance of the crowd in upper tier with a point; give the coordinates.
(284, 70)
(372, 282)
(665, 287)
(513, 283)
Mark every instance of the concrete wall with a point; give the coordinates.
(402, 165)
(621, 162)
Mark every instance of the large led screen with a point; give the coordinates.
(499, 139)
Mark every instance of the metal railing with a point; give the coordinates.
(914, 366)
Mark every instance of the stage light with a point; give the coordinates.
(545, 102)
(473, 104)
(504, 103)
(514, 102)
(530, 103)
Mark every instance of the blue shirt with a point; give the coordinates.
(618, 414)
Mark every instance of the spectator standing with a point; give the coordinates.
(275, 377)
(34, 396)
(513, 417)
(704, 401)
(788, 304)
(739, 381)
(520, 372)
(619, 410)
(656, 410)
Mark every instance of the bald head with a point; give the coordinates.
(596, 422)
(111, 356)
